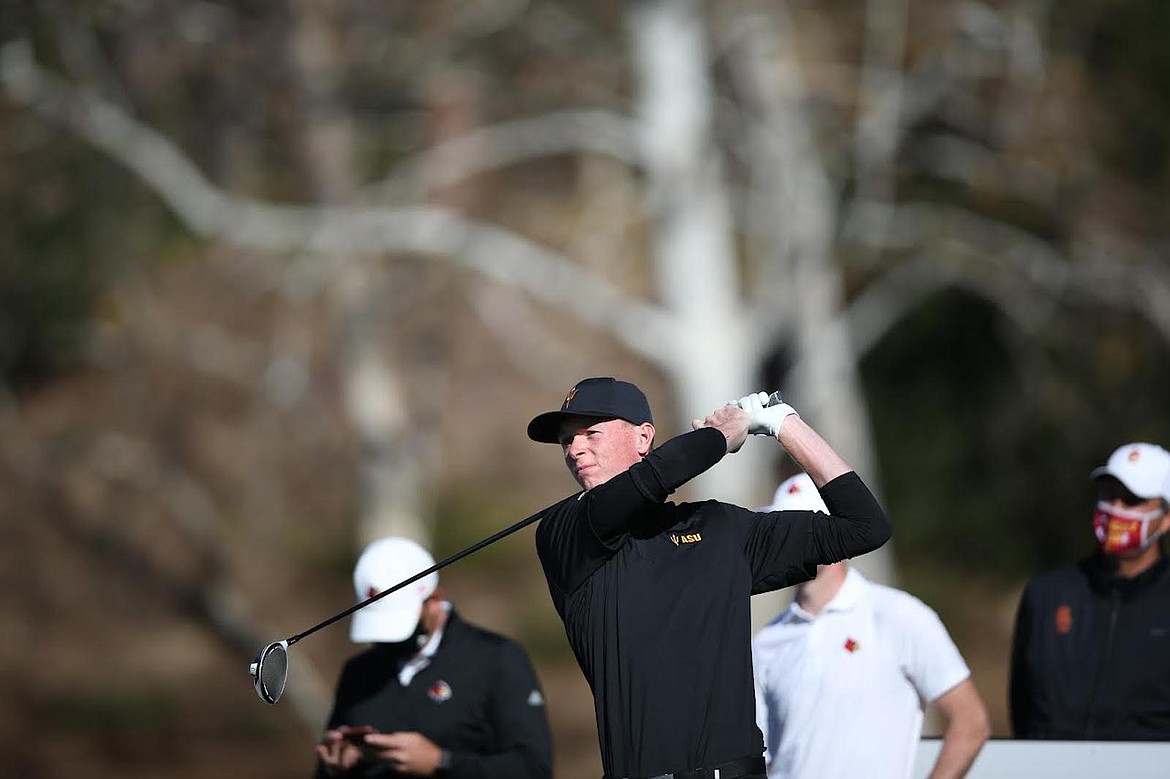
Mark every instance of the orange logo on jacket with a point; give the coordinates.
(1063, 620)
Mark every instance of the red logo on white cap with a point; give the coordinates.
(1135, 454)
(793, 488)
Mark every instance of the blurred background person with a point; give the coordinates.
(1092, 639)
(434, 695)
(841, 676)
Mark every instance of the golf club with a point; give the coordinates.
(269, 668)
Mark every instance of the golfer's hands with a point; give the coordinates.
(764, 419)
(729, 420)
(408, 753)
(338, 749)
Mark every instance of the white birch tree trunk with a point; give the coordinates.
(824, 385)
(712, 357)
(390, 477)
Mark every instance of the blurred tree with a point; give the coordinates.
(933, 216)
(938, 129)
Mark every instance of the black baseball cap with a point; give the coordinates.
(603, 397)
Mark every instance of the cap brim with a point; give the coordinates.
(546, 428)
(386, 625)
(1146, 490)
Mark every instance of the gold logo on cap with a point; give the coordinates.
(569, 397)
(1135, 455)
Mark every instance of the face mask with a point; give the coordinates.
(1121, 530)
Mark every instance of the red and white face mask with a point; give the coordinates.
(1121, 530)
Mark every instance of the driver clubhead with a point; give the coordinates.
(270, 671)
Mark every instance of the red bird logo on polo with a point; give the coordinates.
(851, 646)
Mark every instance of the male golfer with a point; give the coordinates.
(655, 596)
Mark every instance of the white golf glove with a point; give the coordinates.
(764, 419)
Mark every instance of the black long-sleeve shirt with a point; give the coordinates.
(655, 599)
(1091, 654)
(478, 698)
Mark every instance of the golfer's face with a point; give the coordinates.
(596, 451)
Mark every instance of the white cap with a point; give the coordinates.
(385, 563)
(797, 493)
(1144, 469)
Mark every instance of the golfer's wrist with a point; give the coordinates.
(443, 768)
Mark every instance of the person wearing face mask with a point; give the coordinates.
(434, 695)
(1091, 650)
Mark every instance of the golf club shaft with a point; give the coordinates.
(441, 564)
(773, 399)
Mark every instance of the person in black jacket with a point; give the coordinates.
(434, 695)
(655, 596)
(1091, 651)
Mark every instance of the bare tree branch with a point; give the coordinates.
(492, 148)
(875, 142)
(542, 356)
(1023, 275)
(436, 232)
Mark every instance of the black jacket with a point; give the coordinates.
(478, 698)
(1091, 654)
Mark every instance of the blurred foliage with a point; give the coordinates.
(964, 429)
(68, 220)
(117, 709)
(1124, 47)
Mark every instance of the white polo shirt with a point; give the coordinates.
(841, 694)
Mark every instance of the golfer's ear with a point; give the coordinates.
(645, 438)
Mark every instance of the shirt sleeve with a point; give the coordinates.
(933, 663)
(785, 547)
(858, 523)
(518, 717)
(577, 535)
